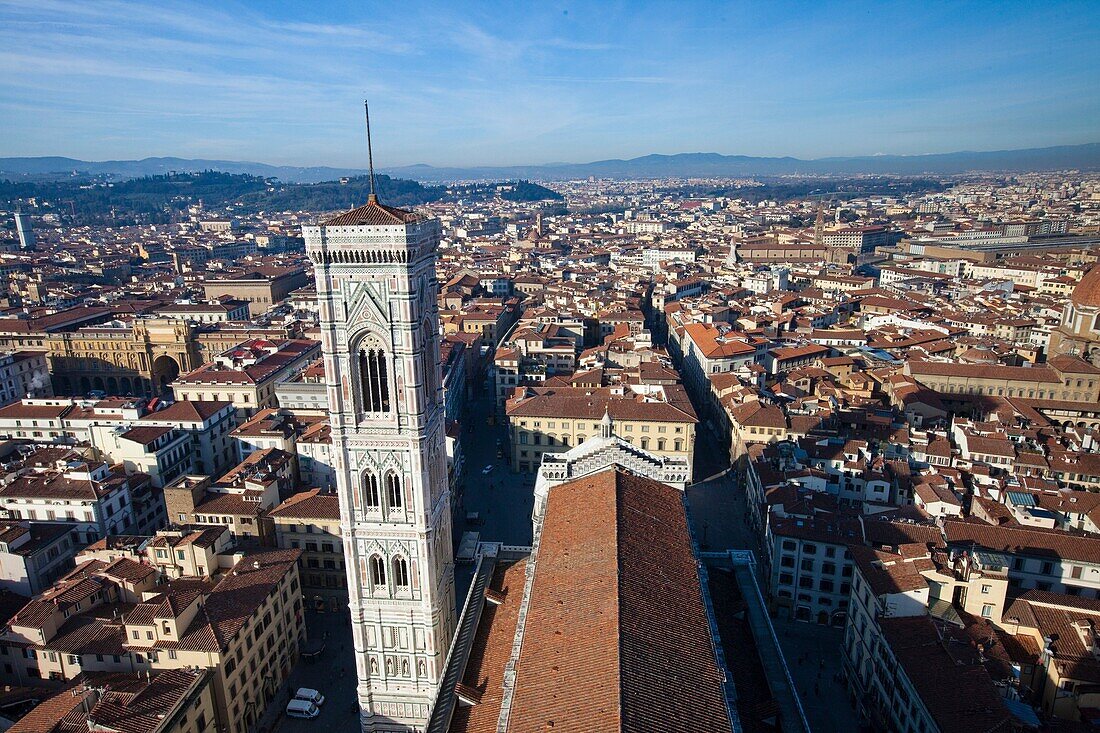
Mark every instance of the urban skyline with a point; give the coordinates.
(690, 442)
(496, 85)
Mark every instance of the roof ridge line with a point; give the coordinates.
(619, 473)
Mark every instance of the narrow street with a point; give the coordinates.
(502, 500)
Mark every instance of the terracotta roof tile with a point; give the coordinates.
(374, 214)
(616, 568)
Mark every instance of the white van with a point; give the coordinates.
(310, 695)
(302, 709)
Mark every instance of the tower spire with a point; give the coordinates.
(372, 198)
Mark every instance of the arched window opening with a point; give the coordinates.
(393, 491)
(372, 493)
(429, 361)
(400, 572)
(374, 382)
(377, 571)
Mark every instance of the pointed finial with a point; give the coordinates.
(372, 198)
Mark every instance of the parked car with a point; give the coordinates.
(302, 709)
(306, 693)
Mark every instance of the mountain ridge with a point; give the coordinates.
(654, 165)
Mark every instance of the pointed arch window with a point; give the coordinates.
(374, 381)
(371, 493)
(393, 491)
(430, 361)
(400, 572)
(377, 571)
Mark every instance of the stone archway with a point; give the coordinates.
(97, 383)
(126, 386)
(112, 386)
(165, 371)
(85, 385)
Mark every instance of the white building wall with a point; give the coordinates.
(379, 282)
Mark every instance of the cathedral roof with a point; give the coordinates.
(614, 603)
(1087, 292)
(374, 214)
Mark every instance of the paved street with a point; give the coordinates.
(502, 499)
(333, 674)
(813, 656)
(719, 515)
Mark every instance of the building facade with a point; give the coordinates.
(376, 288)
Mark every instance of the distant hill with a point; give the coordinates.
(704, 165)
(1082, 157)
(164, 198)
(57, 167)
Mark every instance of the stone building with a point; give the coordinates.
(376, 287)
(656, 418)
(1079, 332)
(118, 358)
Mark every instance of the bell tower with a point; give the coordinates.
(376, 288)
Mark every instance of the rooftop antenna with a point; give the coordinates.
(372, 198)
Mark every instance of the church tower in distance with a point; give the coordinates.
(376, 288)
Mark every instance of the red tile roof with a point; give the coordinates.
(490, 652)
(312, 504)
(374, 214)
(615, 567)
(1052, 543)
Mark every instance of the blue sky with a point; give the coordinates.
(517, 82)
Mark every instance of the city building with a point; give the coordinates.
(94, 500)
(240, 621)
(24, 374)
(34, 554)
(25, 229)
(246, 375)
(1078, 332)
(261, 287)
(310, 521)
(656, 418)
(168, 701)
